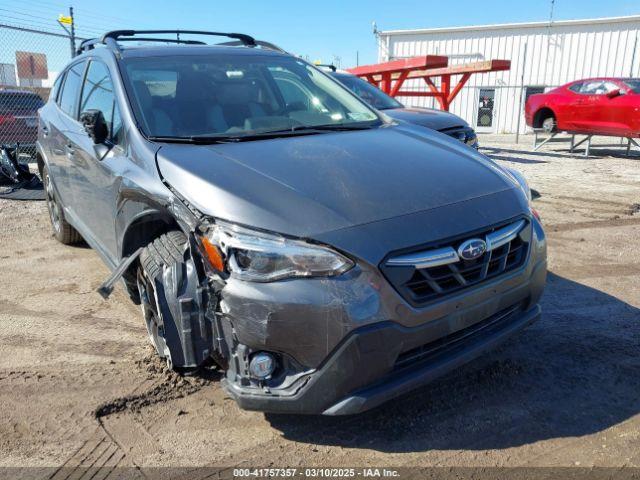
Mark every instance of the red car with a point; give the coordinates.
(599, 106)
(19, 118)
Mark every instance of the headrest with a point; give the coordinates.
(192, 87)
(237, 92)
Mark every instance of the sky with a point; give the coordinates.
(322, 30)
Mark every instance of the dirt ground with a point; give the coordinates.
(79, 386)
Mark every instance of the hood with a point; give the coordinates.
(426, 117)
(306, 185)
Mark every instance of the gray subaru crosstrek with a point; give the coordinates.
(267, 220)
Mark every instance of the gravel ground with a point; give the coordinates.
(79, 386)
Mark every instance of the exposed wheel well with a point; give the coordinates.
(541, 115)
(140, 233)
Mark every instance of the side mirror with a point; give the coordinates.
(614, 93)
(95, 125)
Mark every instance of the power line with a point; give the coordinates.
(26, 15)
(29, 22)
(101, 16)
(19, 4)
(49, 4)
(50, 9)
(33, 28)
(88, 27)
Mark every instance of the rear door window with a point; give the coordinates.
(70, 90)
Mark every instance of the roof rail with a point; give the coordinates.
(168, 40)
(330, 66)
(111, 39)
(258, 43)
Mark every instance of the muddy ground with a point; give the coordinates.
(79, 386)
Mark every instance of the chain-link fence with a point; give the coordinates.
(30, 61)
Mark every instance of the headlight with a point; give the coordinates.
(263, 257)
(471, 139)
(467, 136)
(518, 177)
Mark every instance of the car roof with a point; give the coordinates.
(600, 79)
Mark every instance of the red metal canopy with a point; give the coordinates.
(390, 76)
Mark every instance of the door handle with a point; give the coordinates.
(70, 150)
(45, 131)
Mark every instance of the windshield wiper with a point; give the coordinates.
(195, 139)
(338, 127)
(293, 131)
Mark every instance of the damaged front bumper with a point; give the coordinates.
(350, 343)
(341, 386)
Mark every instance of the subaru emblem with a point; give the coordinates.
(472, 249)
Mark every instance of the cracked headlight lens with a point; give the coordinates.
(265, 257)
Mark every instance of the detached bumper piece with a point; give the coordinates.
(382, 361)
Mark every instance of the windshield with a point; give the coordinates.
(237, 95)
(633, 84)
(367, 92)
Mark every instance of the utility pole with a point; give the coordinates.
(633, 56)
(522, 89)
(68, 20)
(73, 33)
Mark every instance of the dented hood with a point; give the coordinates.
(308, 185)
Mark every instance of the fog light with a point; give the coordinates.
(262, 365)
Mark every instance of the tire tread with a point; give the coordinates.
(166, 250)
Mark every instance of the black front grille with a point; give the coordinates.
(458, 339)
(421, 285)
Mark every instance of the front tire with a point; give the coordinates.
(171, 306)
(62, 230)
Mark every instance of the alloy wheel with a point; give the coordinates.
(55, 212)
(549, 124)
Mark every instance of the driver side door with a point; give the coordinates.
(588, 100)
(97, 167)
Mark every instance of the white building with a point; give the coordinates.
(543, 55)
